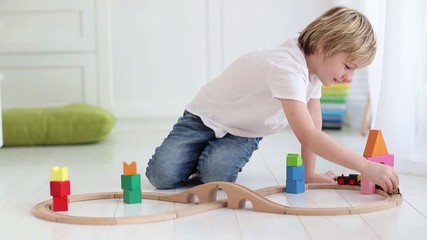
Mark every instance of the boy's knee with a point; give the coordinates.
(215, 170)
(158, 179)
(163, 178)
(161, 184)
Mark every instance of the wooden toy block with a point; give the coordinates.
(367, 187)
(44, 211)
(375, 145)
(236, 195)
(118, 194)
(86, 221)
(295, 186)
(59, 174)
(132, 196)
(270, 190)
(318, 211)
(397, 198)
(378, 206)
(200, 208)
(131, 182)
(151, 196)
(149, 219)
(59, 189)
(205, 192)
(384, 159)
(129, 169)
(293, 159)
(89, 197)
(60, 204)
(330, 186)
(295, 173)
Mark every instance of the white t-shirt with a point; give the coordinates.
(244, 99)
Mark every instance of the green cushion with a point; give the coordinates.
(73, 124)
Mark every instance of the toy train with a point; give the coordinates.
(351, 179)
(354, 179)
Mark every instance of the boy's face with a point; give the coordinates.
(335, 69)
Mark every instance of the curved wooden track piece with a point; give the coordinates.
(237, 196)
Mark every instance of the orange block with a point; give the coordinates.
(375, 146)
(129, 169)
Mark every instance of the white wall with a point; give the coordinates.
(163, 51)
(140, 57)
(159, 55)
(248, 25)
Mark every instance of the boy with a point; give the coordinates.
(261, 93)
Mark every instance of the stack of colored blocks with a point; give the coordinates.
(376, 151)
(59, 188)
(333, 104)
(131, 184)
(295, 174)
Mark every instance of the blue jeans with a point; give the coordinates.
(191, 147)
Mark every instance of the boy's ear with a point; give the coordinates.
(321, 50)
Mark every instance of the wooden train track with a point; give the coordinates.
(237, 196)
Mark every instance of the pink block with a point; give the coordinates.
(385, 159)
(367, 187)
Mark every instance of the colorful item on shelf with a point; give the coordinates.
(333, 104)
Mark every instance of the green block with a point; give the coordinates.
(333, 100)
(293, 159)
(132, 196)
(131, 182)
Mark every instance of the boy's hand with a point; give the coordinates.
(384, 176)
(328, 177)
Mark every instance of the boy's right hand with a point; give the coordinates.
(384, 176)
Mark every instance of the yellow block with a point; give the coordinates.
(59, 174)
(342, 86)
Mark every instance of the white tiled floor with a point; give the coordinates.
(24, 181)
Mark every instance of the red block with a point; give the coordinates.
(60, 204)
(59, 188)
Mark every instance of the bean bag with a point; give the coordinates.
(72, 124)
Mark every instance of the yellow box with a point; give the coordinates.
(59, 174)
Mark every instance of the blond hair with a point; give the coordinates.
(340, 29)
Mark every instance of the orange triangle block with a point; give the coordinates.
(375, 146)
(129, 169)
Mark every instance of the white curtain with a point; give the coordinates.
(398, 80)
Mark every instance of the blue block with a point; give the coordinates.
(295, 186)
(295, 173)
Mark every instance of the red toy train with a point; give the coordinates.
(351, 179)
(354, 179)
